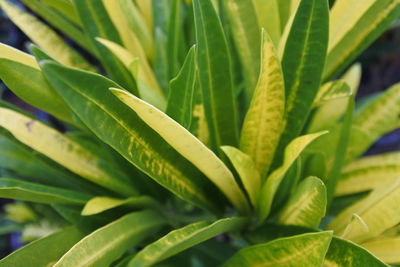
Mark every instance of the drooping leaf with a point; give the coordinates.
(44, 37)
(188, 146)
(181, 92)
(246, 34)
(263, 123)
(44, 252)
(65, 151)
(343, 253)
(116, 125)
(108, 243)
(215, 75)
(301, 250)
(303, 63)
(184, 238)
(20, 190)
(350, 35)
(245, 166)
(268, 190)
(377, 212)
(100, 204)
(369, 173)
(307, 205)
(386, 248)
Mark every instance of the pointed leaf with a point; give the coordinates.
(271, 22)
(10, 53)
(332, 90)
(110, 242)
(184, 238)
(263, 123)
(307, 205)
(188, 146)
(43, 252)
(301, 250)
(65, 7)
(116, 125)
(214, 66)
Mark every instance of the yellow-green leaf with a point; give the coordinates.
(331, 91)
(386, 248)
(16, 55)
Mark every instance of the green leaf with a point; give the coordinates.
(45, 37)
(331, 91)
(301, 250)
(350, 35)
(215, 74)
(116, 125)
(245, 166)
(184, 238)
(377, 118)
(188, 146)
(303, 63)
(376, 213)
(110, 242)
(98, 205)
(66, 8)
(65, 151)
(269, 17)
(97, 23)
(45, 251)
(307, 205)
(19, 190)
(181, 92)
(29, 84)
(246, 34)
(175, 38)
(268, 190)
(385, 248)
(344, 253)
(368, 173)
(263, 123)
(10, 53)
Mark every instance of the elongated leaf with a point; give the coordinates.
(65, 151)
(108, 243)
(387, 249)
(97, 23)
(184, 238)
(29, 84)
(263, 123)
(369, 173)
(116, 125)
(344, 253)
(246, 33)
(66, 8)
(15, 189)
(16, 55)
(307, 206)
(214, 66)
(269, 17)
(350, 35)
(146, 8)
(378, 212)
(44, 252)
(175, 37)
(303, 63)
(44, 37)
(181, 92)
(376, 119)
(100, 204)
(245, 166)
(301, 250)
(332, 90)
(188, 146)
(268, 190)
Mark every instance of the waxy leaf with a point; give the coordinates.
(184, 238)
(385, 248)
(10, 53)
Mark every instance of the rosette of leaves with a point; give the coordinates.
(200, 133)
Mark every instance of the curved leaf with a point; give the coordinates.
(269, 17)
(215, 75)
(264, 123)
(301, 250)
(116, 125)
(307, 205)
(65, 7)
(386, 249)
(16, 55)
(331, 91)
(188, 146)
(44, 252)
(184, 238)
(65, 151)
(108, 243)
(19, 190)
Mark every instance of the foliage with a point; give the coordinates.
(199, 133)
